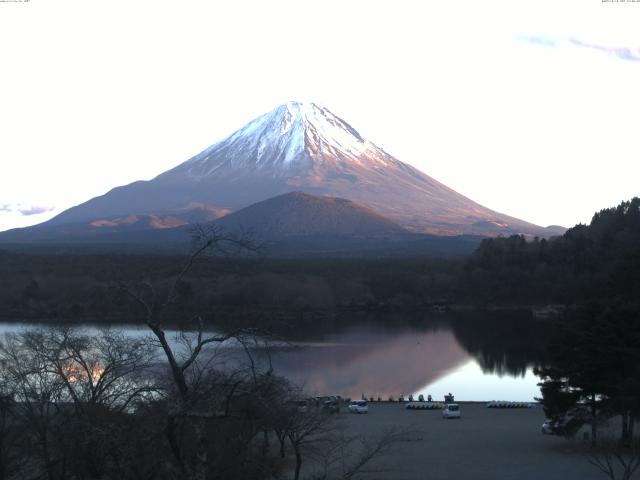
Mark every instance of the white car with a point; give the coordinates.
(547, 427)
(555, 427)
(451, 410)
(358, 406)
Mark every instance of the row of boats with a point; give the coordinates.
(491, 404)
(425, 405)
(507, 404)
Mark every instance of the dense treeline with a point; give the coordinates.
(82, 287)
(592, 369)
(598, 261)
(591, 364)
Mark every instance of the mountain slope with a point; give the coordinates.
(301, 147)
(290, 225)
(301, 214)
(130, 228)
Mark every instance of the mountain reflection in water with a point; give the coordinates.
(474, 358)
(373, 363)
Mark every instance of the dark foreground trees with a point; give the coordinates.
(593, 370)
(593, 377)
(191, 405)
(617, 461)
(70, 396)
(102, 406)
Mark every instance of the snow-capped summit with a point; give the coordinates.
(299, 147)
(290, 138)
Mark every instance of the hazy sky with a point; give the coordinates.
(531, 108)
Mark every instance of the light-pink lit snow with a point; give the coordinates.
(294, 135)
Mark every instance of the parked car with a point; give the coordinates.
(331, 406)
(547, 427)
(359, 406)
(555, 426)
(451, 410)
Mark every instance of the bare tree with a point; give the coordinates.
(191, 406)
(615, 459)
(308, 430)
(348, 457)
(252, 400)
(68, 391)
(109, 369)
(37, 396)
(11, 435)
(92, 406)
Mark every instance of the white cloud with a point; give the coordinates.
(622, 52)
(33, 209)
(26, 210)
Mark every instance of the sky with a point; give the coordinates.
(530, 108)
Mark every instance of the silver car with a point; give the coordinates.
(359, 406)
(451, 410)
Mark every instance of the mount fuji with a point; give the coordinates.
(297, 147)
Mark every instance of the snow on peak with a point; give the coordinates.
(292, 136)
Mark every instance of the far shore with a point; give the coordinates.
(229, 313)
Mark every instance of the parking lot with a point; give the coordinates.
(483, 444)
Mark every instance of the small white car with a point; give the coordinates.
(547, 427)
(451, 410)
(358, 406)
(555, 427)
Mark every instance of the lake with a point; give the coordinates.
(432, 357)
(475, 357)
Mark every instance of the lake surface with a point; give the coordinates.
(474, 358)
(377, 361)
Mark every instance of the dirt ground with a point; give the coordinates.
(485, 443)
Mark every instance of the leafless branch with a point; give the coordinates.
(614, 459)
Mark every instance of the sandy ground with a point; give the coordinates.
(483, 444)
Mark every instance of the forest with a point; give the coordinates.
(82, 288)
(596, 262)
(599, 261)
(78, 398)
